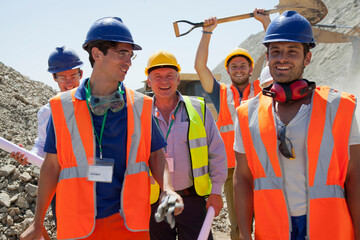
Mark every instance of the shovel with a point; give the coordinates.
(312, 10)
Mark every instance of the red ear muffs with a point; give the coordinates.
(285, 92)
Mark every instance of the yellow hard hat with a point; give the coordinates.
(162, 58)
(238, 52)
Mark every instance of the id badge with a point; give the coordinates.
(101, 170)
(170, 162)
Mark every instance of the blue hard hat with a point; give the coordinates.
(290, 27)
(110, 29)
(62, 59)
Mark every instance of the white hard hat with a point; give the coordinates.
(265, 77)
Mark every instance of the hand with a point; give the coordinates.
(19, 157)
(33, 232)
(210, 24)
(168, 208)
(179, 206)
(261, 16)
(215, 200)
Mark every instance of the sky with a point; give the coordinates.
(30, 31)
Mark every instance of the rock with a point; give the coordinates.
(22, 203)
(5, 200)
(29, 198)
(13, 186)
(25, 177)
(16, 174)
(7, 170)
(9, 221)
(13, 211)
(26, 223)
(14, 198)
(36, 172)
(29, 214)
(11, 232)
(31, 189)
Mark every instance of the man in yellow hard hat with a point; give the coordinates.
(195, 152)
(226, 98)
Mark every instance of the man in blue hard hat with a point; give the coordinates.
(64, 65)
(297, 148)
(102, 141)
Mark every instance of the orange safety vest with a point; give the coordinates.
(75, 143)
(229, 101)
(327, 160)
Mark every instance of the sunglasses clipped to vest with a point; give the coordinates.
(286, 92)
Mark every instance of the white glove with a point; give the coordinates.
(166, 209)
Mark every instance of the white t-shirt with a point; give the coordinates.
(295, 170)
(43, 118)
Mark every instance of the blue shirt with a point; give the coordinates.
(114, 144)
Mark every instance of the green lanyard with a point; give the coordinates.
(172, 121)
(99, 139)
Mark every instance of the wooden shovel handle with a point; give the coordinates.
(244, 16)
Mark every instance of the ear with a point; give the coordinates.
(96, 54)
(81, 73)
(148, 82)
(178, 78)
(54, 77)
(307, 59)
(251, 70)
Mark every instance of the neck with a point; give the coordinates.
(241, 87)
(166, 105)
(101, 87)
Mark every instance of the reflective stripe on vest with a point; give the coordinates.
(75, 155)
(135, 193)
(229, 101)
(195, 108)
(327, 152)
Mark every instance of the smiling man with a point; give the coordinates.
(101, 143)
(226, 98)
(297, 148)
(195, 152)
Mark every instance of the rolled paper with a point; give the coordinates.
(11, 147)
(205, 229)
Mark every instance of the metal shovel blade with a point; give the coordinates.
(313, 10)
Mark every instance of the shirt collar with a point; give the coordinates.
(156, 111)
(81, 90)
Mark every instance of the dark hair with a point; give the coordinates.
(239, 55)
(54, 74)
(102, 45)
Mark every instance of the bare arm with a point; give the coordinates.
(49, 175)
(243, 195)
(205, 75)
(262, 17)
(352, 188)
(160, 171)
